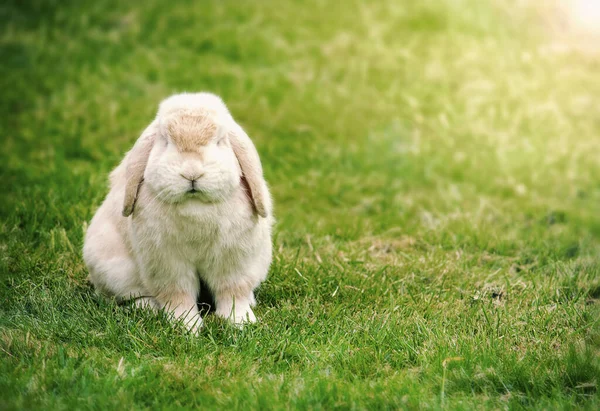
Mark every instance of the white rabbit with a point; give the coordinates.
(188, 201)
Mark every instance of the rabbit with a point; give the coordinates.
(188, 202)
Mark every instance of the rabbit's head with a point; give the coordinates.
(194, 151)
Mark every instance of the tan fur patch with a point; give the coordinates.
(189, 132)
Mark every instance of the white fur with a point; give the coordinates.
(174, 237)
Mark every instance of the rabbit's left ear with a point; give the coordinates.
(136, 162)
(249, 161)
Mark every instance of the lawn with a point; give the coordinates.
(436, 178)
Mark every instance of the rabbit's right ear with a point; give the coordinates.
(249, 161)
(137, 159)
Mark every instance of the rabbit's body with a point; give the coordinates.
(159, 253)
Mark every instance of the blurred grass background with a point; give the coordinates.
(435, 171)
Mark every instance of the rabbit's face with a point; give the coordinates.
(192, 158)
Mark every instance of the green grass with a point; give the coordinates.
(435, 172)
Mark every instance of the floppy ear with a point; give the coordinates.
(136, 165)
(249, 161)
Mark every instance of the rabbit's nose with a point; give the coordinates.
(192, 176)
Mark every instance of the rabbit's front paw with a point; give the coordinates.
(238, 312)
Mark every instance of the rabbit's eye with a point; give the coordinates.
(221, 142)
